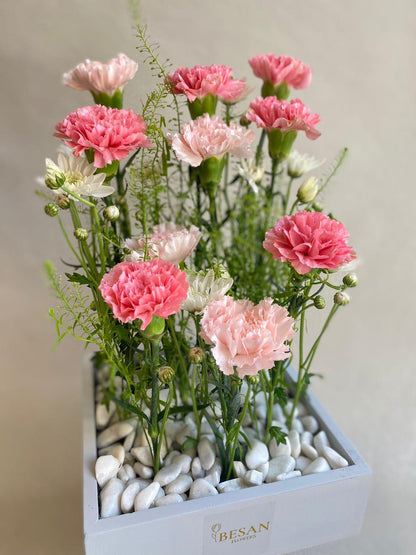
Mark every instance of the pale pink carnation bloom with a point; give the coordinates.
(139, 290)
(110, 132)
(168, 241)
(282, 69)
(271, 113)
(209, 137)
(246, 336)
(198, 81)
(309, 240)
(101, 78)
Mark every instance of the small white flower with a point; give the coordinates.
(251, 173)
(205, 287)
(299, 164)
(79, 176)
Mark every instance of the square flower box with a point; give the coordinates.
(270, 519)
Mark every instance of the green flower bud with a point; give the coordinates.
(319, 302)
(341, 298)
(205, 105)
(154, 330)
(51, 183)
(81, 234)
(253, 380)
(244, 122)
(62, 201)
(210, 172)
(280, 143)
(196, 354)
(308, 190)
(165, 374)
(267, 89)
(51, 209)
(350, 280)
(282, 91)
(111, 213)
(317, 206)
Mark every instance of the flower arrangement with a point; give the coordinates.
(194, 266)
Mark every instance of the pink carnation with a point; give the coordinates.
(271, 113)
(282, 69)
(169, 241)
(208, 137)
(199, 81)
(139, 290)
(246, 336)
(101, 78)
(110, 132)
(309, 240)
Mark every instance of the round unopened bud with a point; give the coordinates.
(62, 201)
(154, 330)
(253, 380)
(165, 374)
(81, 234)
(111, 213)
(244, 122)
(350, 280)
(317, 206)
(319, 302)
(196, 354)
(341, 298)
(51, 209)
(308, 190)
(51, 183)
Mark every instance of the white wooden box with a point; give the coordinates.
(270, 519)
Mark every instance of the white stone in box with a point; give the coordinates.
(269, 519)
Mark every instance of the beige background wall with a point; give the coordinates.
(362, 53)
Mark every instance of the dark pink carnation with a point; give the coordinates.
(110, 132)
(271, 113)
(282, 69)
(198, 81)
(139, 290)
(309, 240)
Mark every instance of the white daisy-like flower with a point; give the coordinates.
(251, 173)
(299, 164)
(78, 177)
(205, 287)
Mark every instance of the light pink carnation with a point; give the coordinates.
(309, 240)
(246, 336)
(282, 69)
(101, 78)
(168, 241)
(271, 113)
(110, 132)
(208, 137)
(139, 290)
(198, 81)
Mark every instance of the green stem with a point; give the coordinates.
(164, 420)
(195, 403)
(154, 408)
(260, 147)
(240, 423)
(286, 198)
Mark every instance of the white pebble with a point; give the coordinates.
(182, 484)
(335, 459)
(239, 469)
(206, 453)
(145, 498)
(113, 434)
(170, 456)
(320, 441)
(288, 475)
(160, 493)
(187, 430)
(257, 454)
(294, 441)
(129, 441)
(279, 449)
(302, 462)
(106, 467)
(196, 469)
(167, 474)
(118, 452)
(297, 425)
(213, 476)
(318, 465)
(310, 423)
(126, 473)
(308, 451)
(129, 459)
(306, 437)
(280, 465)
(183, 461)
(253, 478)
(143, 455)
(103, 415)
(201, 488)
(231, 485)
(278, 412)
(264, 469)
(143, 471)
(289, 406)
(110, 497)
(128, 496)
(302, 410)
(171, 499)
(261, 412)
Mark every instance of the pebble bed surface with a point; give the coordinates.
(127, 481)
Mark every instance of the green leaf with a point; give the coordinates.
(184, 409)
(189, 443)
(78, 278)
(128, 407)
(278, 434)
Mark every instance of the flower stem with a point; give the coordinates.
(260, 147)
(237, 433)
(154, 408)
